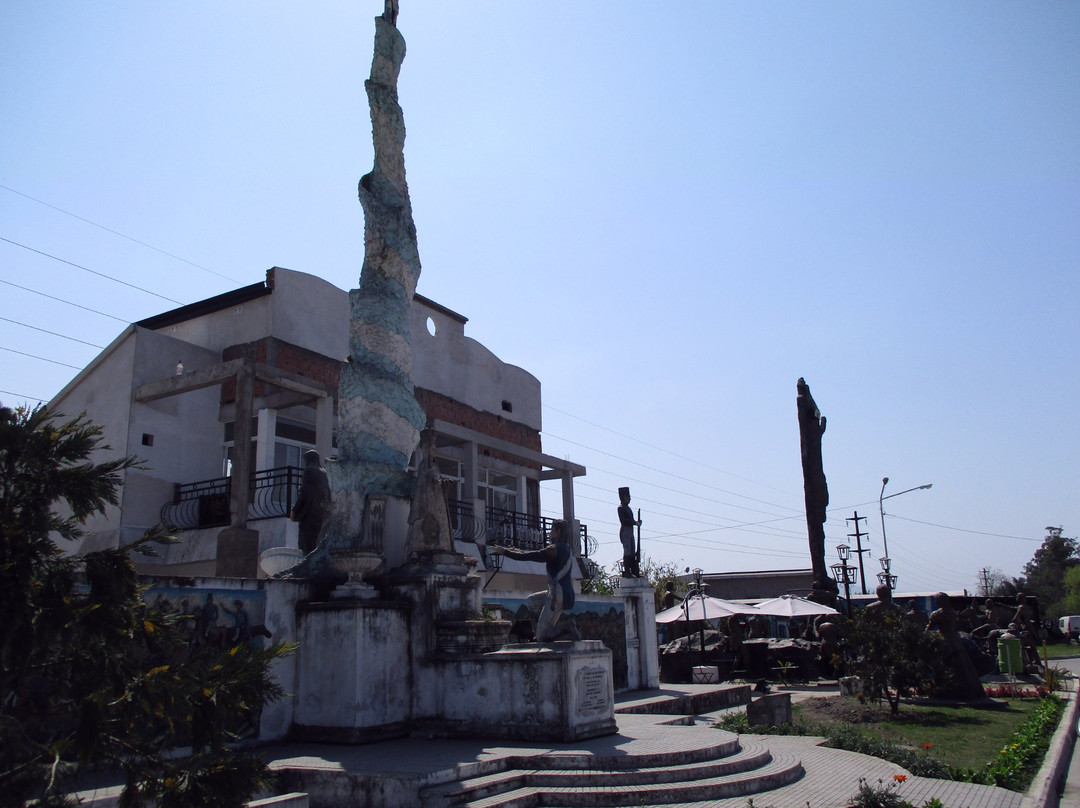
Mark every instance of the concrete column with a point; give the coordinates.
(264, 439)
(471, 471)
(324, 427)
(241, 467)
(568, 511)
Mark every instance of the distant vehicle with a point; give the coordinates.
(1070, 626)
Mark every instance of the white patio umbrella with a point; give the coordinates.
(792, 606)
(703, 608)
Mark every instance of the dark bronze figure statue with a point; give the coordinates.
(312, 502)
(627, 523)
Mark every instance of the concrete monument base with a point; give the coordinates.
(557, 692)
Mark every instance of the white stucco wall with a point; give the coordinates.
(461, 368)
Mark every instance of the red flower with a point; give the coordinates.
(899, 777)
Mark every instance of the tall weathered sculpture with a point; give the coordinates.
(815, 489)
(379, 418)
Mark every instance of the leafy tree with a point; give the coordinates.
(1070, 602)
(1044, 574)
(601, 582)
(992, 582)
(90, 675)
(892, 655)
(659, 575)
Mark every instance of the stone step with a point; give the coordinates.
(501, 774)
(754, 755)
(746, 770)
(780, 771)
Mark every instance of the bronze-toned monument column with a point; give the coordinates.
(815, 489)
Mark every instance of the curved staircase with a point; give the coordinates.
(731, 767)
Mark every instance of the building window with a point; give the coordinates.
(498, 490)
(453, 476)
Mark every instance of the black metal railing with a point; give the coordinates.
(206, 503)
(465, 524)
(525, 531)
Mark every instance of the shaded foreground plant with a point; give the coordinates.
(90, 675)
(886, 795)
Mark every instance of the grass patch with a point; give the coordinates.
(1060, 650)
(958, 737)
(932, 741)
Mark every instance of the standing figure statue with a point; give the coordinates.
(557, 555)
(811, 428)
(312, 501)
(627, 523)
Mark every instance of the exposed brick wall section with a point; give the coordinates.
(447, 409)
(286, 356)
(294, 359)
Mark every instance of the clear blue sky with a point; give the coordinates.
(667, 212)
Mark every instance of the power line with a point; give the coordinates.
(659, 448)
(118, 233)
(53, 333)
(20, 395)
(91, 271)
(42, 358)
(669, 474)
(61, 300)
(964, 530)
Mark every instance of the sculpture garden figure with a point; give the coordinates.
(944, 619)
(312, 501)
(884, 602)
(815, 488)
(627, 523)
(551, 623)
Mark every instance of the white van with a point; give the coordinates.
(1070, 626)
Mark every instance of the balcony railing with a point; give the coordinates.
(206, 503)
(525, 531)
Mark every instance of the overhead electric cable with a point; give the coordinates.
(660, 448)
(91, 271)
(118, 233)
(53, 333)
(964, 530)
(20, 395)
(42, 358)
(661, 471)
(61, 300)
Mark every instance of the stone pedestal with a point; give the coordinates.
(642, 662)
(353, 672)
(556, 692)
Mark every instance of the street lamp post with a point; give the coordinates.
(699, 590)
(846, 573)
(885, 576)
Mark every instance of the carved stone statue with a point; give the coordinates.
(312, 501)
(429, 521)
(557, 555)
(815, 489)
(627, 523)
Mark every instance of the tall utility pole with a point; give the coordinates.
(858, 536)
(985, 572)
